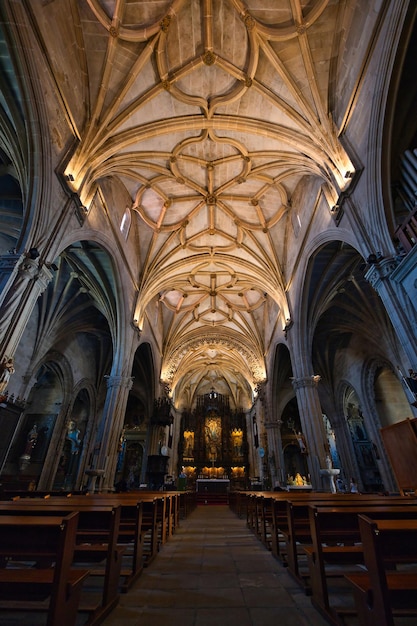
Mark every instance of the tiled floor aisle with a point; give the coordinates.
(214, 571)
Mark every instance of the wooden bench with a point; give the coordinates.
(385, 589)
(290, 525)
(336, 546)
(292, 519)
(131, 532)
(144, 527)
(96, 544)
(143, 524)
(36, 555)
(295, 528)
(187, 503)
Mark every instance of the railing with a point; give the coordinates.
(406, 233)
(406, 191)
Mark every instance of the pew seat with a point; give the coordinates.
(388, 587)
(36, 573)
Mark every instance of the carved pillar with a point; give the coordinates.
(312, 424)
(118, 388)
(25, 284)
(276, 456)
(386, 281)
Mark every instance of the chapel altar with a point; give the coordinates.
(213, 448)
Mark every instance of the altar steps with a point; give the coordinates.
(212, 498)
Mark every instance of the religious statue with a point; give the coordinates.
(213, 438)
(73, 436)
(237, 438)
(299, 480)
(32, 438)
(301, 443)
(188, 444)
(6, 370)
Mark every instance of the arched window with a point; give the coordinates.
(125, 223)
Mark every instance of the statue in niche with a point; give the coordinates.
(6, 370)
(31, 441)
(237, 438)
(301, 442)
(73, 436)
(32, 438)
(188, 444)
(213, 437)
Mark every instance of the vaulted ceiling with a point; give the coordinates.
(213, 115)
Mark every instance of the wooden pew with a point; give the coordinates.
(238, 503)
(337, 548)
(383, 591)
(144, 527)
(131, 531)
(148, 533)
(9, 494)
(96, 544)
(266, 514)
(187, 503)
(290, 526)
(296, 528)
(255, 511)
(294, 524)
(52, 585)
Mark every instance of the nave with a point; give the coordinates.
(212, 571)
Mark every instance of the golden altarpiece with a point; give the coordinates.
(213, 443)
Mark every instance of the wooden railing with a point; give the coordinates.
(406, 233)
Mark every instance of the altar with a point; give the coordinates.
(212, 485)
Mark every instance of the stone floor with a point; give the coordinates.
(214, 571)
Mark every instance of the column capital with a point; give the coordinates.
(380, 270)
(305, 381)
(43, 278)
(125, 382)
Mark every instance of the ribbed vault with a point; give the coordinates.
(211, 113)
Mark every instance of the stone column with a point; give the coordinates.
(388, 283)
(276, 456)
(111, 426)
(25, 284)
(312, 424)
